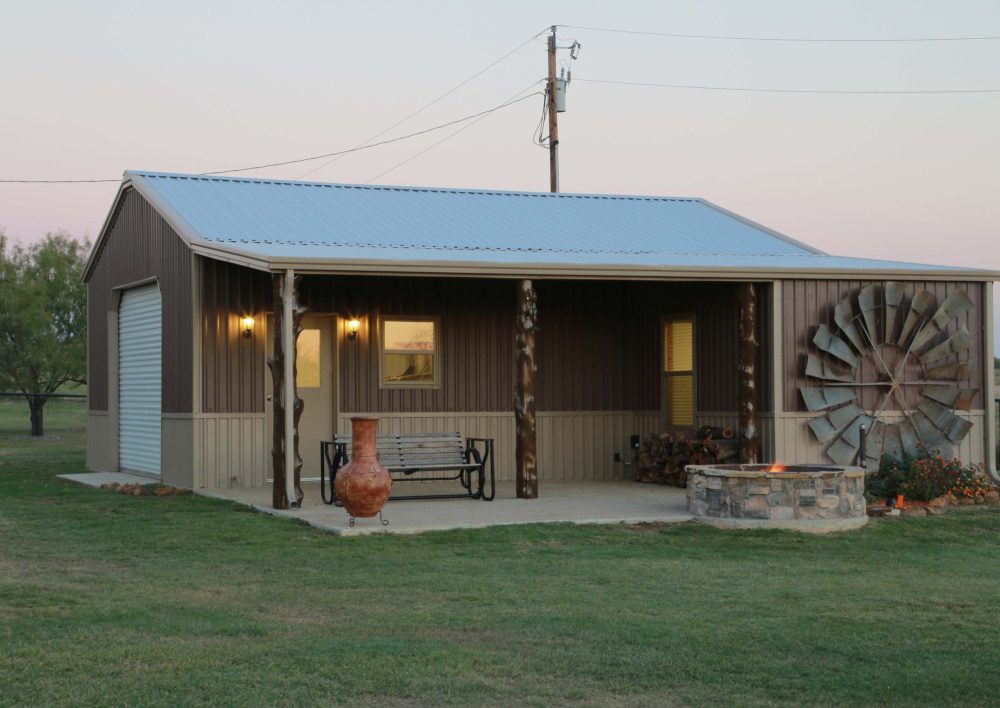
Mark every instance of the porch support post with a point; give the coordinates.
(287, 465)
(749, 437)
(524, 390)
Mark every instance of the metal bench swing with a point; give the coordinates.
(437, 457)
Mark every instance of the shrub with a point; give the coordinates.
(926, 476)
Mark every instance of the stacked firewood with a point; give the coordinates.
(663, 457)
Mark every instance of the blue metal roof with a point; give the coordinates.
(285, 220)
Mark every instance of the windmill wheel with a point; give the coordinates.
(887, 354)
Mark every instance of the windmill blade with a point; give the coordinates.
(819, 399)
(908, 438)
(874, 442)
(953, 372)
(826, 340)
(965, 398)
(893, 298)
(868, 302)
(843, 417)
(827, 427)
(927, 333)
(843, 315)
(845, 449)
(960, 398)
(920, 305)
(953, 427)
(960, 341)
(956, 304)
(892, 444)
(929, 434)
(820, 369)
(823, 429)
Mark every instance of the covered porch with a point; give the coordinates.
(606, 363)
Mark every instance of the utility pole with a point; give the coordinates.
(553, 117)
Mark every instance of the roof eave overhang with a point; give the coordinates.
(608, 272)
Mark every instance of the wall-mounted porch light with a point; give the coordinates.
(353, 327)
(247, 323)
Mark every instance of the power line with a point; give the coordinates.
(785, 39)
(444, 95)
(370, 145)
(748, 89)
(449, 136)
(298, 160)
(57, 181)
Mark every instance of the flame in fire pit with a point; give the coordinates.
(777, 467)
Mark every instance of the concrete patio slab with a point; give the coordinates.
(558, 502)
(96, 479)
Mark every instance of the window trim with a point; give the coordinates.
(436, 352)
(666, 375)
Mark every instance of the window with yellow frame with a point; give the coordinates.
(678, 372)
(409, 351)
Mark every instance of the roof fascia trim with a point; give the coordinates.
(102, 235)
(231, 255)
(181, 227)
(766, 229)
(513, 270)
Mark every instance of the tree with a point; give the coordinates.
(43, 319)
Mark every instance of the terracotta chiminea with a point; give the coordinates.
(363, 485)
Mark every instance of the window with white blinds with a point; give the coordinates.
(678, 373)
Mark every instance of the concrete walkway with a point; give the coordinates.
(558, 502)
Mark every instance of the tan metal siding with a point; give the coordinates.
(234, 377)
(140, 245)
(808, 303)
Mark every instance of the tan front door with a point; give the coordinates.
(316, 384)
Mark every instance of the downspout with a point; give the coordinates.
(288, 344)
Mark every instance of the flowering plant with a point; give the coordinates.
(971, 483)
(926, 476)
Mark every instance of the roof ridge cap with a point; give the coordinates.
(205, 177)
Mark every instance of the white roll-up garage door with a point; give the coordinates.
(140, 364)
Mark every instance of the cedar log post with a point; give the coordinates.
(277, 363)
(749, 439)
(524, 390)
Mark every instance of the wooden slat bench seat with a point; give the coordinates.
(420, 457)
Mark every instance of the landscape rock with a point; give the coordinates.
(163, 491)
(915, 511)
(992, 497)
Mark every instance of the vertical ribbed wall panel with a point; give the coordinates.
(234, 373)
(232, 451)
(141, 245)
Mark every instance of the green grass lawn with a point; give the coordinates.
(106, 599)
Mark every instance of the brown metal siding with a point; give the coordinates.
(234, 376)
(808, 303)
(140, 244)
(477, 320)
(599, 347)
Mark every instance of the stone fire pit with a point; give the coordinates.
(816, 498)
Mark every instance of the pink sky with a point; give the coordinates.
(92, 89)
